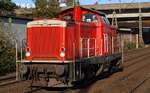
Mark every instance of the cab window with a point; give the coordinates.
(89, 18)
(68, 17)
(105, 20)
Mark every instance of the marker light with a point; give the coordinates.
(62, 52)
(28, 54)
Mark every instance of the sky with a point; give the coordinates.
(29, 3)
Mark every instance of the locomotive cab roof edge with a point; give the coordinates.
(83, 8)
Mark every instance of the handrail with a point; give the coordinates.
(16, 49)
(17, 66)
(18, 57)
(88, 46)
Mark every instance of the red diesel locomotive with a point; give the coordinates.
(78, 45)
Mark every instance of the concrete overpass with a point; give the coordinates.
(121, 7)
(126, 13)
(129, 15)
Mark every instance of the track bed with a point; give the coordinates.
(135, 78)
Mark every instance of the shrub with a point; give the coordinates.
(129, 45)
(7, 54)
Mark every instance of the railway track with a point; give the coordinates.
(8, 83)
(140, 84)
(131, 61)
(8, 80)
(137, 61)
(136, 70)
(33, 90)
(132, 67)
(131, 55)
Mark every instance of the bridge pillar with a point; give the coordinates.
(137, 41)
(141, 43)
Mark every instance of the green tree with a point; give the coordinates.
(7, 7)
(46, 8)
(7, 53)
(72, 2)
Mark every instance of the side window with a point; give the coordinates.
(105, 20)
(89, 18)
(68, 17)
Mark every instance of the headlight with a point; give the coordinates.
(62, 54)
(28, 54)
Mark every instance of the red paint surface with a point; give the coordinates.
(45, 43)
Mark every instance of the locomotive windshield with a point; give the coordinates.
(89, 18)
(68, 17)
(105, 20)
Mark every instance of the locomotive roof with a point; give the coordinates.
(46, 22)
(87, 9)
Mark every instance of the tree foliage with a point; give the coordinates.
(7, 7)
(7, 53)
(46, 8)
(69, 2)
